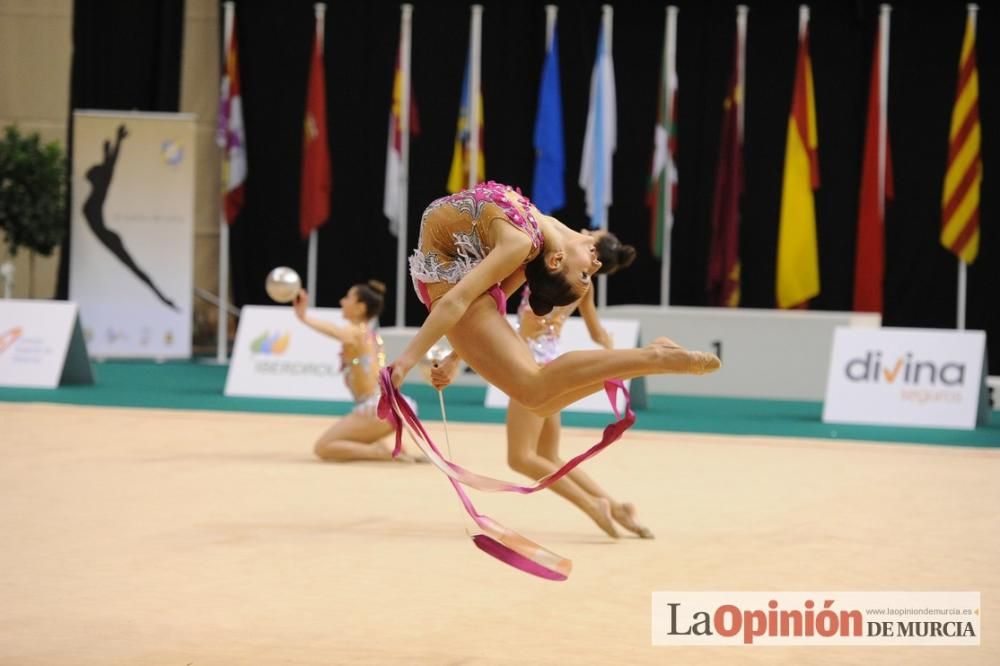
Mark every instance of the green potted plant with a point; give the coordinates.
(32, 196)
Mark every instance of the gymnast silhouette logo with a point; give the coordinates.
(99, 176)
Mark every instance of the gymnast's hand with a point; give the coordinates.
(400, 369)
(444, 372)
(300, 304)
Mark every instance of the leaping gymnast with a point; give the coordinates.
(476, 248)
(533, 441)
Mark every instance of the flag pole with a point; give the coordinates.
(883, 111)
(972, 9)
(667, 200)
(475, 47)
(741, 35)
(551, 11)
(222, 325)
(320, 9)
(402, 244)
(607, 26)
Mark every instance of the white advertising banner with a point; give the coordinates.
(624, 332)
(132, 231)
(41, 344)
(907, 377)
(277, 356)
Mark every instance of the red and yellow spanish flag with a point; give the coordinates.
(962, 180)
(798, 257)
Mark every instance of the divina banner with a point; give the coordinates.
(132, 225)
(907, 377)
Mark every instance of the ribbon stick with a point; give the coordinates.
(499, 541)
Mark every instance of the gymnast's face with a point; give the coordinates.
(352, 307)
(580, 261)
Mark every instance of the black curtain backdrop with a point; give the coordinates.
(361, 39)
(126, 56)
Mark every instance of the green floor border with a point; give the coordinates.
(194, 385)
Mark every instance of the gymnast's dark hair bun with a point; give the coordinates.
(548, 288)
(538, 305)
(613, 255)
(372, 294)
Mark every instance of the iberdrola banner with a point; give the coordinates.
(132, 232)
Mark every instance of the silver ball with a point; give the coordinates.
(283, 284)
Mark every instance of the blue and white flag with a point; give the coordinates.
(601, 138)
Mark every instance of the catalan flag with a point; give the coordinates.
(962, 180)
(798, 255)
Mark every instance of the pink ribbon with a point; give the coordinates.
(499, 541)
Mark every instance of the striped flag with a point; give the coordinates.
(600, 140)
(229, 134)
(798, 255)
(394, 147)
(962, 180)
(458, 175)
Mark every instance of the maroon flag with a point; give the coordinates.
(724, 253)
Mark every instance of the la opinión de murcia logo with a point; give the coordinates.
(906, 369)
(812, 623)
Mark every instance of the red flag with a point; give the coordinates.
(724, 257)
(315, 193)
(869, 263)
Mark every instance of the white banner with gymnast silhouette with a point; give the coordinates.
(132, 232)
(277, 356)
(574, 337)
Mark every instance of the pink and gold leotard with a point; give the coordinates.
(457, 232)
